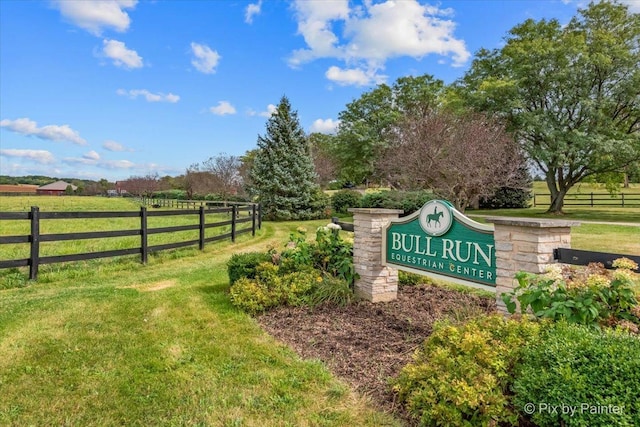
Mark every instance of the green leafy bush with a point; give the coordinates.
(462, 373)
(345, 199)
(271, 288)
(252, 296)
(244, 265)
(411, 279)
(579, 376)
(334, 255)
(378, 199)
(408, 201)
(305, 272)
(591, 295)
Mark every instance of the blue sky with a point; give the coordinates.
(113, 89)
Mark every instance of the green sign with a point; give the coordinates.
(440, 241)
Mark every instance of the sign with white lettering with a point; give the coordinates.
(440, 241)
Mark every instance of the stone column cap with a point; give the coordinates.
(376, 211)
(533, 222)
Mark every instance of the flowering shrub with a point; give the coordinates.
(591, 295)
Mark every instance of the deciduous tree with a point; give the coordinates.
(461, 157)
(571, 93)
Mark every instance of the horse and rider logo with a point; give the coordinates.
(436, 218)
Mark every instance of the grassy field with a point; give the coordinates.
(113, 342)
(54, 203)
(159, 345)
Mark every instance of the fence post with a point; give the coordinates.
(592, 199)
(623, 200)
(259, 216)
(144, 249)
(253, 220)
(234, 209)
(534, 200)
(202, 218)
(34, 261)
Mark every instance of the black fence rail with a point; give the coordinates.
(592, 199)
(579, 257)
(34, 238)
(187, 204)
(346, 226)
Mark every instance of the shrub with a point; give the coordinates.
(333, 255)
(298, 255)
(378, 199)
(411, 279)
(332, 290)
(591, 295)
(244, 265)
(507, 198)
(461, 375)
(591, 377)
(408, 201)
(296, 287)
(345, 199)
(251, 296)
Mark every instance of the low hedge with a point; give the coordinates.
(580, 376)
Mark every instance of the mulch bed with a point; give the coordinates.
(365, 343)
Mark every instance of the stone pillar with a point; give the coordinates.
(377, 282)
(524, 244)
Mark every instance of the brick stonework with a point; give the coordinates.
(521, 245)
(376, 282)
(525, 245)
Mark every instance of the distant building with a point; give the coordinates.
(18, 189)
(55, 188)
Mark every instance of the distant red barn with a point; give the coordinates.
(18, 189)
(55, 188)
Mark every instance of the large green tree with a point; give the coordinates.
(367, 125)
(571, 93)
(282, 176)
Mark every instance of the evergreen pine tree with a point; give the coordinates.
(283, 177)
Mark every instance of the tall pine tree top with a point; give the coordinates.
(283, 175)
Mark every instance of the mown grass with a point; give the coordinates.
(159, 345)
(100, 204)
(591, 234)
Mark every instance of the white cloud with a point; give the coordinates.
(267, 113)
(91, 155)
(150, 97)
(95, 16)
(372, 34)
(38, 156)
(223, 107)
(121, 55)
(354, 76)
(252, 10)
(28, 127)
(117, 164)
(325, 126)
(205, 60)
(114, 146)
(634, 5)
(271, 109)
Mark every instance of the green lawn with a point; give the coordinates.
(159, 345)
